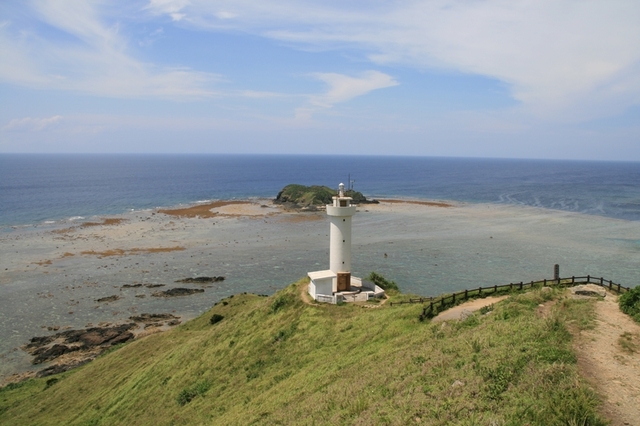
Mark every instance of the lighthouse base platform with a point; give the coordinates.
(323, 286)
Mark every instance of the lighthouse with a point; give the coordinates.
(340, 214)
(336, 284)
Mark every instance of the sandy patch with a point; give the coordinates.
(246, 209)
(470, 306)
(612, 370)
(421, 203)
(301, 217)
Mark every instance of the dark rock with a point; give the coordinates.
(48, 348)
(153, 285)
(201, 280)
(61, 368)
(47, 354)
(150, 318)
(108, 299)
(132, 285)
(173, 292)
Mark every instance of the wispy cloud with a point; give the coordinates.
(565, 59)
(93, 58)
(31, 124)
(343, 88)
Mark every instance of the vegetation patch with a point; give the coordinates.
(630, 303)
(215, 318)
(315, 195)
(187, 395)
(387, 285)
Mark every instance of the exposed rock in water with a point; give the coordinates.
(108, 299)
(200, 280)
(151, 318)
(132, 285)
(153, 285)
(178, 291)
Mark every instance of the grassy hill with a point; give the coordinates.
(277, 360)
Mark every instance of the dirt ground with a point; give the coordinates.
(470, 306)
(609, 357)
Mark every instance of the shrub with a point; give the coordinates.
(382, 282)
(216, 318)
(279, 303)
(186, 395)
(630, 303)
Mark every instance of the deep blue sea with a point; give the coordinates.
(38, 188)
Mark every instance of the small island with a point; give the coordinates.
(314, 197)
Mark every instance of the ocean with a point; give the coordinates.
(512, 221)
(35, 189)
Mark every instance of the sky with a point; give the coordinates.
(553, 79)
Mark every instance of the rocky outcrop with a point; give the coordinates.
(48, 348)
(201, 280)
(72, 348)
(178, 291)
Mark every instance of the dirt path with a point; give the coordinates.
(473, 305)
(611, 369)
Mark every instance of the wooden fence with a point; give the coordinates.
(438, 304)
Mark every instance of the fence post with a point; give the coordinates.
(588, 279)
(545, 283)
(618, 288)
(466, 294)
(453, 298)
(601, 281)
(495, 288)
(520, 285)
(610, 283)
(556, 272)
(479, 291)
(573, 279)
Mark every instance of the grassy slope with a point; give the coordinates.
(328, 365)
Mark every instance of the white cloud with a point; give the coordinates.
(572, 59)
(93, 59)
(343, 88)
(31, 124)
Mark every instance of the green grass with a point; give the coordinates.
(630, 303)
(276, 360)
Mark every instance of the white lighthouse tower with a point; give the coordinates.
(336, 284)
(340, 214)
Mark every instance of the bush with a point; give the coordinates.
(382, 282)
(216, 318)
(630, 303)
(279, 303)
(199, 389)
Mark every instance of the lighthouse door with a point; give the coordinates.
(344, 281)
